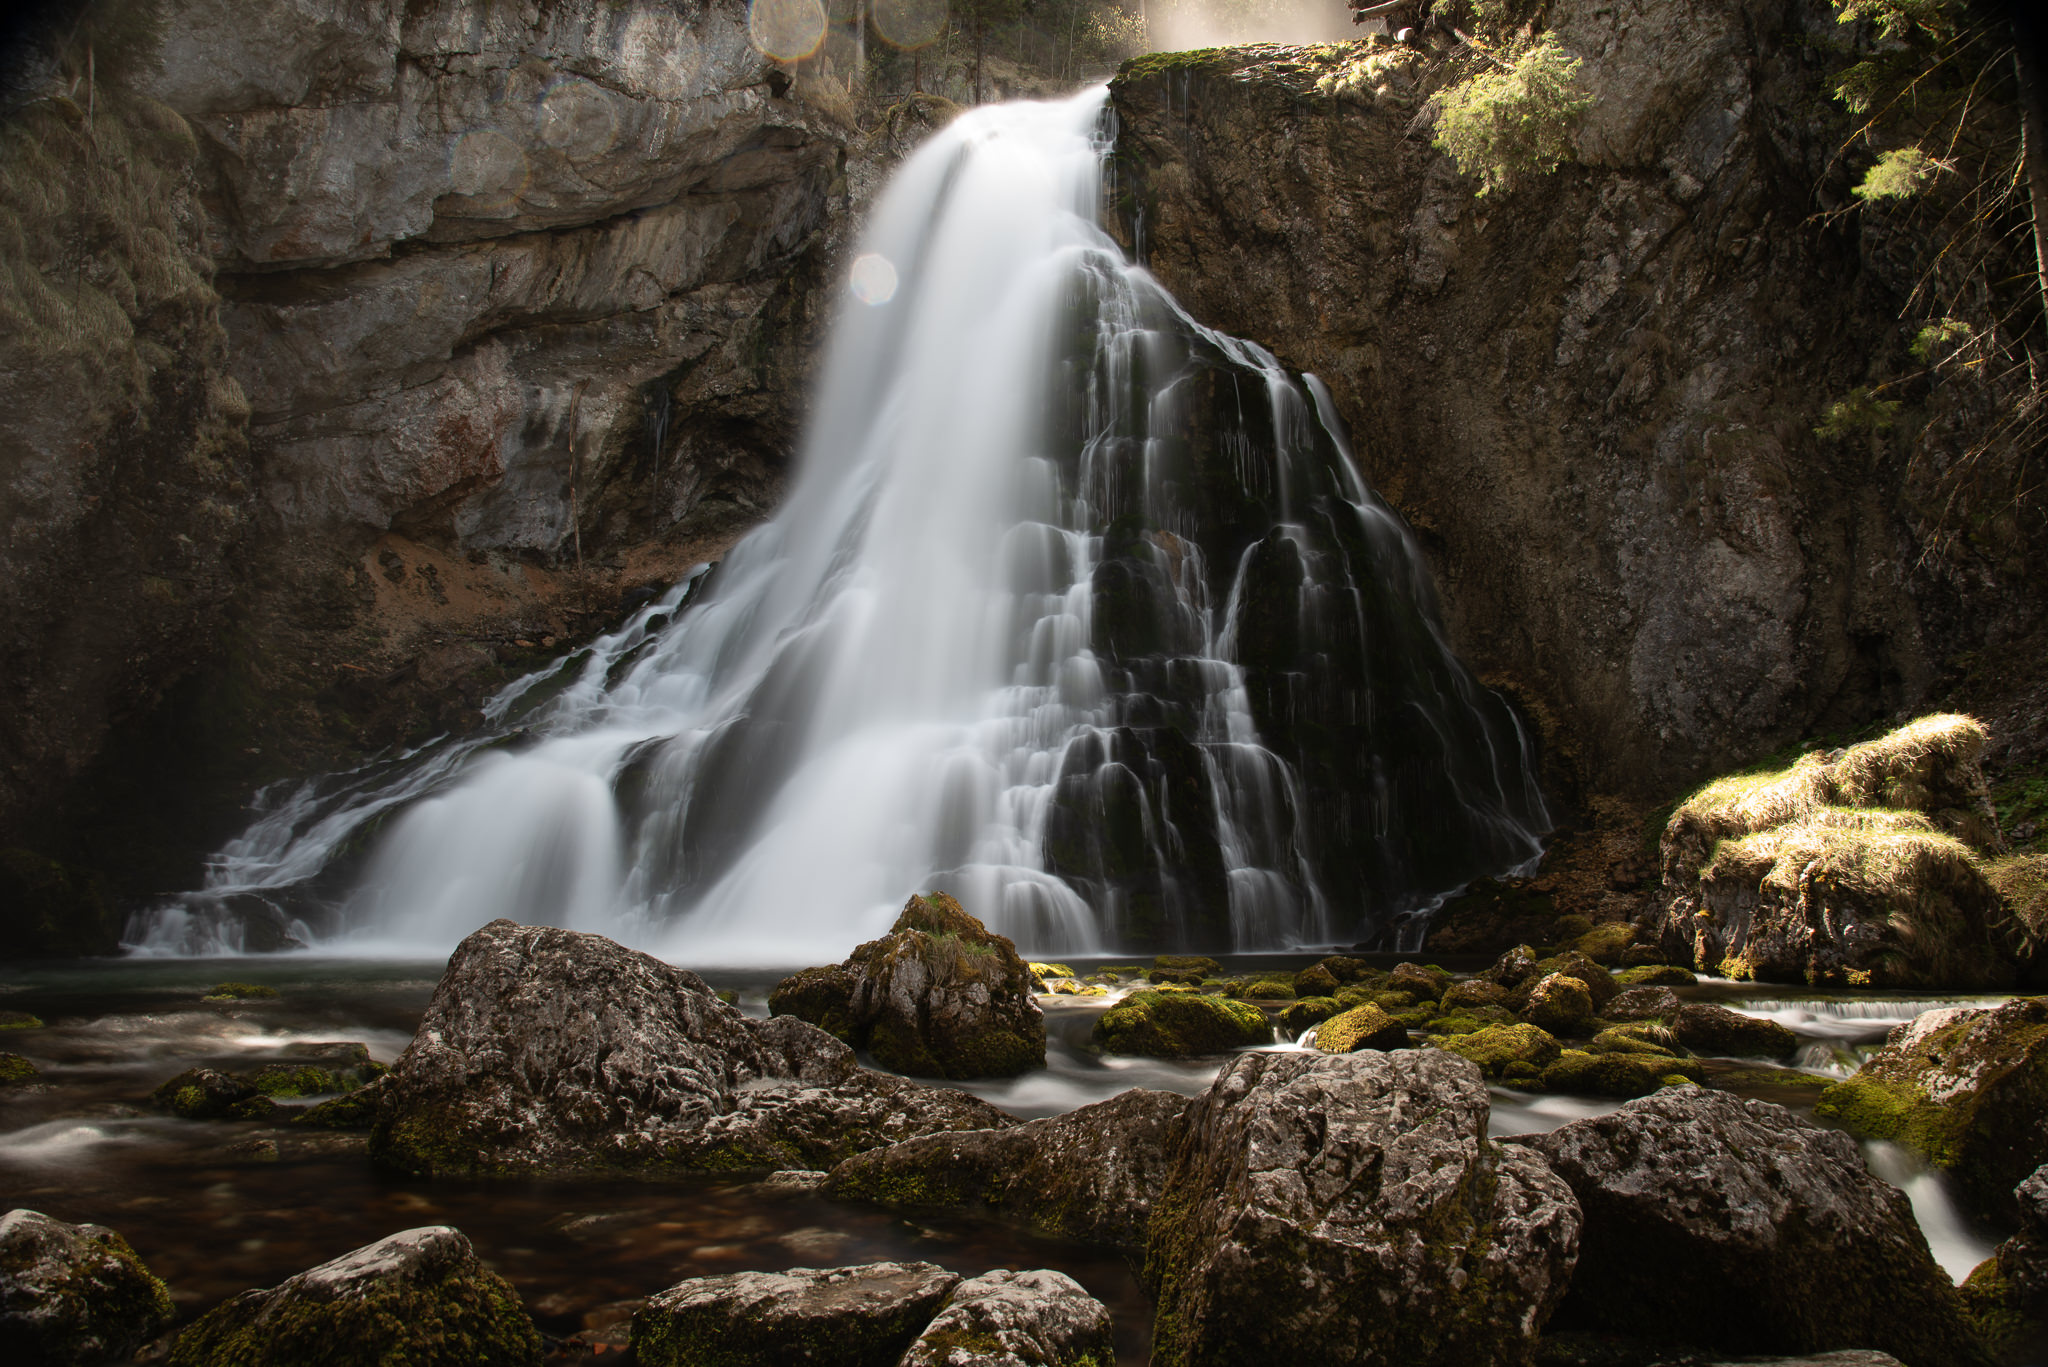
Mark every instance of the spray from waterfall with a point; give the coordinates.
(1077, 609)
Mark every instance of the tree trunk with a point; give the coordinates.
(2033, 148)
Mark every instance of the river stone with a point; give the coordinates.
(839, 1316)
(1091, 1174)
(1600, 984)
(1966, 1089)
(1420, 982)
(420, 1295)
(1560, 1004)
(2008, 1292)
(1641, 1004)
(73, 1294)
(1512, 1053)
(202, 1094)
(1017, 1319)
(1179, 1025)
(1708, 1029)
(1473, 992)
(16, 1070)
(548, 1050)
(1713, 1219)
(1350, 1208)
(1362, 1027)
(938, 996)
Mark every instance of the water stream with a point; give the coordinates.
(1077, 609)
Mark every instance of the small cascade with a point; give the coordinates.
(1077, 609)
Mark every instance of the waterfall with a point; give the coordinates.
(1077, 609)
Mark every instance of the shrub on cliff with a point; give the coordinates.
(1515, 118)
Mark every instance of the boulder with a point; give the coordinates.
(1348, 970)
(1315, 981)
(1506, 1053)
(420, 1295)
(1351, 1207)
(2008, 1292)
(1017, 1319)
(14, 1070)
(1559, 1004)
(1708, 1029)
(1513, 968)
(1473, 992)
(1643, 1003)
(202, 1094)
(1091, 1174)
(73, 1294)
(938, 996)
(1655, 975)
(832, 1317)
(1418, 981)
(1362, 1027)
(1712, 1219)
(1606, 943)
(1599, 982)
(1180, 1025)
(548, 1050)
(1966, 1089)
(1618, 1072)
(1183, 968)
(1306, 1012)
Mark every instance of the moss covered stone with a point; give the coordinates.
(1473, 992)
(201, 1094)
(1315, 981)
(1466, 1020)
(1005, 1319)
(1362, 1027)
(1182, 968)
(1499, 1049)
(239, 992)
(1656, 975)
(1706, 1028)
(73, 1293)
(1559, 1004)
(1622, 1074)
(418, 1298)
(1180, 1025)
(1606, 943)
(863, 1316)
(14, 1069)
(19, 1020)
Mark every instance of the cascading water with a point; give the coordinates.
(1077, 609)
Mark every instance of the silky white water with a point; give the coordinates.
(1053, 553)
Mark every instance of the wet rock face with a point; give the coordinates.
(73, 1294)
(551, 1050)
(1709, 1219)
(846, 1316)
(1017, 1319)
(1091, 1174)
(938, 996)
(1966, 1089)
(1674, 597)
(1353, 1202)
(419, 1295)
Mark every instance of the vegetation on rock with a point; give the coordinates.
(74, 1293)
(1514, 117)
(1180, 1025)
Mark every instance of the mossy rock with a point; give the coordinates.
(1606, 943)
(1180, 1025)
(239, 992)
(1474, 992)
(1584, 1073)
(73, 1293)
(1046, 972)
(1308, 1011)
(201, 1094)
(1706, 1028)
(1599, 982)
(1559, 1004)
(1390, 1000)
(1270, 990)
(1507, 1051)
(356, 1110)
(822, 996)
(1315, 981)
(1636, 1037)
(19, 1020)
(1656, 975)
(1362, 1027)
(1469, 1020)
(15, 1070)
(1346, 969)
(1423, 982)
(1200, 965)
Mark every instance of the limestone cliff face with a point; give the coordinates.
(1595, 395)
(458, 318)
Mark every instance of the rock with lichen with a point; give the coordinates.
(16, 1070)
(938, 996)
(1559, 1003)
(864, 1316)
(1619, 1072)
(1036, 1318)
(1506, 1053)
(548, 1050)
(1180, 1025)
(2007, 1293)
(1355, 1203)
(1966, 1089)
(1362, 1027)
(1090, 1174)
(202, 1094)
(1710, 1219)
(73, 1294)
(421, 1295)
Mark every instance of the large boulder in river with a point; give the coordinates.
(830, 1317)
(1017, 1319)
(1721, 1221)
(938, 996)
(420, 1295)
(1350, 1208)
(1090, 1174)
(1180, 1025)
(548, 1050)
(2008, 1292)
(1966, 1089)
(73, 1294)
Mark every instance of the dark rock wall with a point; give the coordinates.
(1594, 395)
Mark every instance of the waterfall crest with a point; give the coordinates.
(1077, 609)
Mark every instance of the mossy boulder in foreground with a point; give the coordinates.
(73, 1295)
(938, 996)
(1004, 1319)
(1714, 1220)
(1362, 1027)
(1966, 1089)
(420, 1296)
(1180, 1025)
(1506, 1053)
(848, 1316)
(2008, 1292)
(1350, 1208)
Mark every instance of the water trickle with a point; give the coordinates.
(1077, 609)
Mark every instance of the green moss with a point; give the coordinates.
(1306, 1012)
(1656, 975)
(1879, 1110)
(1154, 64)
(19, 1020)
(1499, 1048)
(1179, 1025)
(1362, 1027)
(239, 992)
(1470, 1020)
(1619, 1074)
(15, 1069)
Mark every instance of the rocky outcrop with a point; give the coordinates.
(1594, 395)
(549, 1050)
(418, 1295)
(1965, 1089)
(1017, 1319)
(1710, 1219)
(938, 996)
(1091, 1174)
(849, 1316)
(1353, 1202)
(1180, 1025)
(73, 1294)
(2008, 1292)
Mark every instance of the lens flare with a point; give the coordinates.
(487, 166)
(786, 30)
(873, 279)
(910, 23)
(578, 118)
